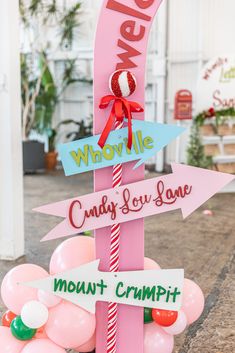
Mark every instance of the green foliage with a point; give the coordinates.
(40, 92)
(217, 117)
(195, 151)
(69, 24)
(82, 130)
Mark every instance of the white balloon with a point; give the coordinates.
(179, 326)
(34, 314)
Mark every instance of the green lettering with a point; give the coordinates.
(95, 155)
(129, 290)
(91, 288)
(71, 287)
(118, 148)
(80, 155)
(102, 286)
(60, 285)
(81, 288)
(119, 295)
(148, 141)
(149, 293)
(134, 143)
(175, 294)
(137, 293)
(108, 152)
(160, 292)
(139, 136)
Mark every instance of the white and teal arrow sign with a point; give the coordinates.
(148, 138)
(86, 285)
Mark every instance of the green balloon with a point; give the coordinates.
(20, 331)
(148, 315)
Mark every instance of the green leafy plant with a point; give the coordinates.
(195, 152)
(40, 92)
(217, 117)
(82, 130)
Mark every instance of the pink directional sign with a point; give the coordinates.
(187, 188)
(121, 43)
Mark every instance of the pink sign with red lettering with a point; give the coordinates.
(121, 43)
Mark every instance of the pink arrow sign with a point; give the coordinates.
(187, 188)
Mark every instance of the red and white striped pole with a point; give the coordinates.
(122, 84)
(114, 262)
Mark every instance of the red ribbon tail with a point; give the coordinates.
(107, 129)
(129, 142)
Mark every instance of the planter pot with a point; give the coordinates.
(33, 156)
(51, 160)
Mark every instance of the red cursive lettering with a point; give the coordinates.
(93, 212)
(134, 204)
(170, 196)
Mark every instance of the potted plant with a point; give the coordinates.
(82, 130)
(40, 94)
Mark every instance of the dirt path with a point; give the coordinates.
(204, 246)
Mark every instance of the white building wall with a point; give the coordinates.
(197, 31)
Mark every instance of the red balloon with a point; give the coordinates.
(7, 318)
(164, 318)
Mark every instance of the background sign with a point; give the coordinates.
(216, 85)
(183, 105)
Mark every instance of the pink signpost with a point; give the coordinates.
(107, 295)
(121, 43)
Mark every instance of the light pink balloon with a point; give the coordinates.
(8, 343)
(179, 326)
(70, 326)
(15, 295)
(156, 340)
(48, 299)
(72, 253)
(88, 346)
(42, 346)
(150, 264)
(193, 301)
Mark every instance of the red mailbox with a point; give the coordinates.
(183, 105)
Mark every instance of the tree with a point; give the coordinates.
(195, 152)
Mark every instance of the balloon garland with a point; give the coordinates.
(44, 323)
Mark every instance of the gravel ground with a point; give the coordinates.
(202, 245)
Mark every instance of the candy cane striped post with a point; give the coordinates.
(114, 261)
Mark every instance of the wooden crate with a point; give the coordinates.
(229, 149)
(225, 167)
(207, 130)
(226, 129)
(211, 150)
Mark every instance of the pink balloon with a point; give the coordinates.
(88, 346)
(156, 340)
(42, 346)
(70, 326)
(150, 264)
(48, 299)
(72, 253)
(179, 326)
(8, 343)
(193, 301)
(15, 295)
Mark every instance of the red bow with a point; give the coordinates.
(122, 108)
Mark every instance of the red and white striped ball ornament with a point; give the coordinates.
(122, 83)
